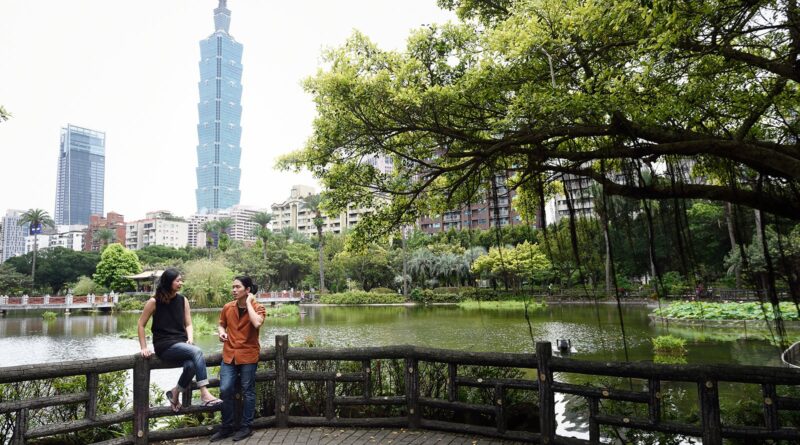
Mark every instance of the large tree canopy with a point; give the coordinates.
(646, 97)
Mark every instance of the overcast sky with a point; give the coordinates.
(130, 69)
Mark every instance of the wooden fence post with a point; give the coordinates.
(141, 400)
(412, 392)
(92, 382)
(20, 427)
(709, 411)
(281, 381)
(547, 408)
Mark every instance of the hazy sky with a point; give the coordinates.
(130, 68)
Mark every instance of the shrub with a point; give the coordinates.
(382, 290)
(360, 297)
(86, 286)
(447, 290)
(49, 315)
(131, 302)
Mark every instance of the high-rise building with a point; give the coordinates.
(13, 235)
(81, 175)
(220, 110)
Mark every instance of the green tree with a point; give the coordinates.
(544, 88)
(115, 263)
(4, 115)
(314, 205)
(12, 281)
(223, 226)
(369, 267)
(523, 263)
(105, 236)
(86, 286)
(210, 228)
(291, 262)
(59, 266)
(37, 219)
(262, 232)
(165, 256)
(207, 282)
(249, 261)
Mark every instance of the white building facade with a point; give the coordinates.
(293, 213)
(159, 228)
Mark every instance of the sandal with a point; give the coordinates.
(212, 402)
(176, 404)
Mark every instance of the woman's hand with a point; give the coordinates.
(223, 336)
(146, 353)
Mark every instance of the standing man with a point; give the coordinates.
(238, 327)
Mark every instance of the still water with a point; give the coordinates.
(594, 331)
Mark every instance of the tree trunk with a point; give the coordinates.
(33, 267)
(321, 263)
(405, 263)
(732, 235)
(607, 239)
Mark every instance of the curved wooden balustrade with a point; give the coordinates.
(413, 401)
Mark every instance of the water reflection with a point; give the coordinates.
(594, 332)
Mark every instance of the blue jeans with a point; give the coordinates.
(227, 391)
(194, 364)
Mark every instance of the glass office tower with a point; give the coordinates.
(80, 185)
(219, 132)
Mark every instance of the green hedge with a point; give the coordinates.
(382, 290)
(360, 297)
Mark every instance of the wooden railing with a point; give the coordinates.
(411, 405)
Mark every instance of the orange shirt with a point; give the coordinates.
(242, 346)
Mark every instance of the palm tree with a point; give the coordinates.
(210, 228)
(223, 225)
(262, 219)
(37, 219)
(105, 235)
(313, 204)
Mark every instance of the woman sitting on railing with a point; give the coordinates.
(173, 337)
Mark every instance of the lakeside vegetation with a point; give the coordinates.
(702, 310)
(501, 305)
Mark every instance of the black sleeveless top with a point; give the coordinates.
(168, 324)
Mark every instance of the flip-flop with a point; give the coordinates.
(212, 402)
(176, 406)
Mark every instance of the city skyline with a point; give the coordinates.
(131, 72)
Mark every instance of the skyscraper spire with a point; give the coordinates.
(222, 16)
(219, 131)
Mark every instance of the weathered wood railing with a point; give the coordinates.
(410, 405)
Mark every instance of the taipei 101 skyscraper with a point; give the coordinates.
(219, 131)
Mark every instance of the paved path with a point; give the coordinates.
(337, 436)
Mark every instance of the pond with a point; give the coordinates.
(593, 330)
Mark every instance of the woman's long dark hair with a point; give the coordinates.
(247, 282)
(164, 290)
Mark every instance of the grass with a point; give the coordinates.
(473, 304)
